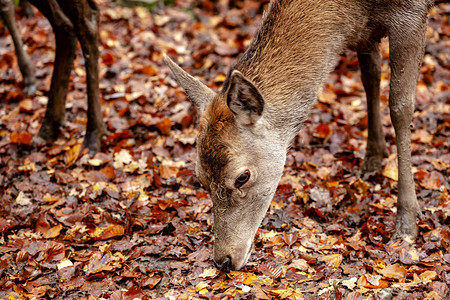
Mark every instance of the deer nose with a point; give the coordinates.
(225, 265)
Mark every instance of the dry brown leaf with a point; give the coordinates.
(395, 271)
(390, 170)
(332, 260)
(53, 232)
(105, 233)
(372, 281)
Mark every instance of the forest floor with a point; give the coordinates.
(134, 222)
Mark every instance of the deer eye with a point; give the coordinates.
(242, 179)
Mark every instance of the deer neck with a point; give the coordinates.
(288, 60)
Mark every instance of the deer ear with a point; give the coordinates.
(244, 99)
(196, 91)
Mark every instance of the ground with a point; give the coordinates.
(133, 221)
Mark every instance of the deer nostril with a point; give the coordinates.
(225, 266)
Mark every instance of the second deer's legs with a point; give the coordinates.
(7, 12)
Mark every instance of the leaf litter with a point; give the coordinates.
(134, 222)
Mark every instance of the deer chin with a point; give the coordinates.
(237, 265)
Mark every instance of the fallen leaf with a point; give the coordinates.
(372, 281)
(23, 199)
(22, 138)
(395, 271)
(333, 260)
(428, 276)
(53, 232)
(122, 158)
(390, 170)
(107, 232)
(212, 272)
(63, 263)
(350, 283)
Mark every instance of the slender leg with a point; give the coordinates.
(66, 43)
(406, 47)
(85, 18)
(7, 12)
(370, 64)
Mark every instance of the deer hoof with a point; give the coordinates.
(371, 163)
(93, 140)
(405, 226)
(48, 133)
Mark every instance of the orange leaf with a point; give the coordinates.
(372, 281)
(167, 172)
(105, 233)
(53, 232)
(333, 260)
(395, 271)
(428, 276)
(149, 70)
(26, 105)
(323, 131)
(164, 126)
(109, 58)
(22, 138)
(391, 170)
(164, 204)
(72, 154)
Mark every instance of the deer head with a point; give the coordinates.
(240, 159)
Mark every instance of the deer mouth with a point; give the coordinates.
(225, 266)
(234, 261)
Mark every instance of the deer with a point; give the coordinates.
(71, 21)
(245, 130)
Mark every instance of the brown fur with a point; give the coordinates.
(293, 35)
(216, 127)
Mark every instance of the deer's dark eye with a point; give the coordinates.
(242, 179)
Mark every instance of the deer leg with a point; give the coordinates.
(406, 47)
(7, 12)
(66, 43)
(85, 18)
(27, 9)
(370, 65)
